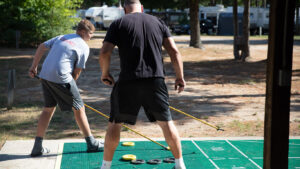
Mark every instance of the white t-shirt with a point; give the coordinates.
(66, 53)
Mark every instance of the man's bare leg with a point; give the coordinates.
(173, 140)
(172, 137)
(44, 120)
(82, 122)
(112, 139)
(43, 124)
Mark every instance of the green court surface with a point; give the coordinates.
(197, 154)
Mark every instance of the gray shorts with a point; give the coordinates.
(65, 95)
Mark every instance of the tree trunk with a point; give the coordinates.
(235, 31)
(241, 43)
(246, 30)
(297, 21)
(194, 24)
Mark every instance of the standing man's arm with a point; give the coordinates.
(176, 60)
(104, 61)
(36, 60)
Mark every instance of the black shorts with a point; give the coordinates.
(65, 95)
(127, 98)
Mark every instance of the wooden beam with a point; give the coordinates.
(279, 71)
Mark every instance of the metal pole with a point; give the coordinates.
(260, 31)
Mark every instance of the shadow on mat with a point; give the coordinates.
(7, 157)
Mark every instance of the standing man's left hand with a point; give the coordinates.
(104, 61)
(107, 80)
(179, 85)
(170, 46)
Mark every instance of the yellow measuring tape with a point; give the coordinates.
(104, 115)
(202, 121)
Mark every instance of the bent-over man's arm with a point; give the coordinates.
(176, 60)
(76, 73)
(36, 60)
(104, 61)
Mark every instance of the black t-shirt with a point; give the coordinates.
(139, 37)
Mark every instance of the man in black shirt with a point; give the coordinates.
(140, 38)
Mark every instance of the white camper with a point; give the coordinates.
(110, 14)
(259, 18)
(263, 18)
(211, 13)
(95, 15)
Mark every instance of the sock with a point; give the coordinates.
(179, 163)
(37, 144)
(106, 164)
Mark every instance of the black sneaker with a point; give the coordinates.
(99, 146)
(39, 153)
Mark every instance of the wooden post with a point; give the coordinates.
(11, 88)
(279, 71)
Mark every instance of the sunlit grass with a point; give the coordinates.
(297, 37)
(19, 123)
(248, 127)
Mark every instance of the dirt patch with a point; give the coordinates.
(219, 90)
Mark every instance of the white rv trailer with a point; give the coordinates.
(263, 18)
(94, 14)
(110, 14)
(259, 17)
(211, 13)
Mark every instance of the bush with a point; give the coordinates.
(37, 20)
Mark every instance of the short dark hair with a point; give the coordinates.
(85, 25)
(129, 2)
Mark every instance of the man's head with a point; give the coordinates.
(131, 6)
(85, 29)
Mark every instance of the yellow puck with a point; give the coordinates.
(129, 157)
(128, 144)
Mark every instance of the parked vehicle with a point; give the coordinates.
(206, 26)
(181, 29)
(110, 14)
(94, 14)
(259, 17)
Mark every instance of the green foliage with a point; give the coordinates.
(37, 20)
